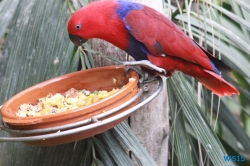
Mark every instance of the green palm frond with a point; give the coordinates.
(223, 27)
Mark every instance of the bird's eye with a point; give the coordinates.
(78, 27)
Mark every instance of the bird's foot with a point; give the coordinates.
(145, 63)
(142, 74)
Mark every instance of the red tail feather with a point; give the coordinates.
(209, 79)
(217, 84)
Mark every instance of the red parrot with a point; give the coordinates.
(150, 38)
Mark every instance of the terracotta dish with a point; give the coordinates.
(103, 78)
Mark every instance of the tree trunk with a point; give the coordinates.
(150, 123)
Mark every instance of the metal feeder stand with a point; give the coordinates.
(84, 125)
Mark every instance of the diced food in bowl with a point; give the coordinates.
(61, 102)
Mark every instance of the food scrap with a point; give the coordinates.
(61, 102)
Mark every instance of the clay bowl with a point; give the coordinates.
(103, 78)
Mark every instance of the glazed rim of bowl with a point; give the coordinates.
(8, 116)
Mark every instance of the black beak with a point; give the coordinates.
(77, 40)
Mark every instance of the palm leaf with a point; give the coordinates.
(32, 47)
(116, 151)
(197, 120)
(7, 10)
(225, 33)
(178, 133)
(125, 135)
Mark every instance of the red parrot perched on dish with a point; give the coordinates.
(150, 38)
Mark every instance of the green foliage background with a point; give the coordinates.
(204, 127)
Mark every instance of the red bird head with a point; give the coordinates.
(98, 20)
(79, 25)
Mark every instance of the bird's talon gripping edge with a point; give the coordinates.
(146, 64)
(142, 74)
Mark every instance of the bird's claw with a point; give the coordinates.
(142, 74)
(161, 70)
(146, 64)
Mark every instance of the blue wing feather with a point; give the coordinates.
(135, 48)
